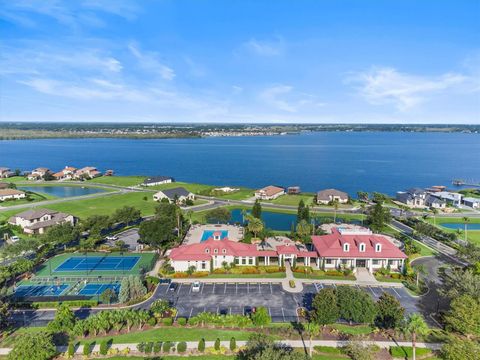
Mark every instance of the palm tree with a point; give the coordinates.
(313, 330)
(255, 225)
(415, 325)
(335, 204)
(363, 206)
(465, 221)
(143, 317)
(434, 212)
(419, 270)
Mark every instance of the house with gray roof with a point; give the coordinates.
(414, 197)
(157, 180)
(472, 202)
(177, 195)
(434, 202)
(37, 221)
(328, 195)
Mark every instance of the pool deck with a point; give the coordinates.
(194, 235)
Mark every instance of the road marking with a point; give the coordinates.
(271, 290)
(213, 290)
(203, 285)
(236, 288)
(283, 314)
(269, 312)
(191, 310)
(217, 310)
(259, 289)
(373, 292)
(225, 290)
(166, 290)
(190, 289)
(178, 290)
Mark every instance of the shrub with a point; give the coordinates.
(71, 349)
(141, 347)
(167, 345)
(182, 347)
(217, 344)
(180, 275)
(157, 347)
(233, 344)
(201, 345)
(149, 348)
(291, 283)
(182, 321)
(152, 321)
(103, 348)
(167, 321)
(86, 349)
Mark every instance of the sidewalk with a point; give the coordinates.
(192, 345)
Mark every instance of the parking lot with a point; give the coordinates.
(240, 298)
(129, 237)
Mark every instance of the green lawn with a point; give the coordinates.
(406, 352)
(293, 200)
(173, 357)
(174, 334)
(119, 180)
(322, 277)
(472, 235)
(353, 330)
(145, 262)
(9, 340)
(107, 205)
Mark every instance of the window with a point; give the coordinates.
(207, 251)
(346, 247)
(237, 261)
(344, 261)
(328, 261)
(203, 265)
(224, 251)
(250, 261)
(374, 262)
(362, 247)
(215, 251)
(378, 247)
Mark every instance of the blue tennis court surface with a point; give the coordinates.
(40, 290)
(98, 289)
(98, 263)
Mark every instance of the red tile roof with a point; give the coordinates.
(332, 246)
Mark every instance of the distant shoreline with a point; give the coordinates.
(26, 131)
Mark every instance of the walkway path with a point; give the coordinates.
(193, 345)
(288, 278)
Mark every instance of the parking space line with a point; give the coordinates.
(373, 292)
(248, 289)
(217, 310)
(230, 310)
(400, 296)
(166, 290)
(225, 290)
(213, 290)
(271, 290)
(191, 310)
(236, 288)
(179, 288)
(190, 289)
(283, 314)
(203, 285)
(269, 312)
(259, 289)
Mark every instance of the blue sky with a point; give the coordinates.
(327, 61)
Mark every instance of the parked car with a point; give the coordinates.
(196, 286)
(14, 238)
(172, 287)
(112, 237)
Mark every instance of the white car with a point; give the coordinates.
(196, 286)
(112, 237)
(14, 238)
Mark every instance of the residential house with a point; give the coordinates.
(68, 173)
(4, 185)
(269, 193)
(451, 198)
(6, 172)
(157, 180)
(179, 195)
(37, 221)
(472, 202)
(414, 197)
(329, 195)
(38, 173)
(11, 194)
(434, 202)
(88, 172)
(293, 190)
(357, 249)
(342, 248)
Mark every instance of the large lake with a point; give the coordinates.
(351, 161)
(62, 191)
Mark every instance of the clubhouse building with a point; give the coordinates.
(342, 248)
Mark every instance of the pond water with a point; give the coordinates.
(461, 226)
(62, 191)
(284, 222)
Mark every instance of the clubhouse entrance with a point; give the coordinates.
(361, 263)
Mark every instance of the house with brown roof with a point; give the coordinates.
(328, 195)
(4, 185)
(88, 172)
(269, 193)
(11, 194)
(68, 173)
(37, 221)
(38, 173)
(6, 172)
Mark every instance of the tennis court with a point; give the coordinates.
(98, 263)
(40, 290)
(98, 289)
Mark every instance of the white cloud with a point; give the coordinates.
(148, 61)
(265, 48)
(272, 96)
(387, 85)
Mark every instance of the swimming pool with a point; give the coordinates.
(207, 234)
